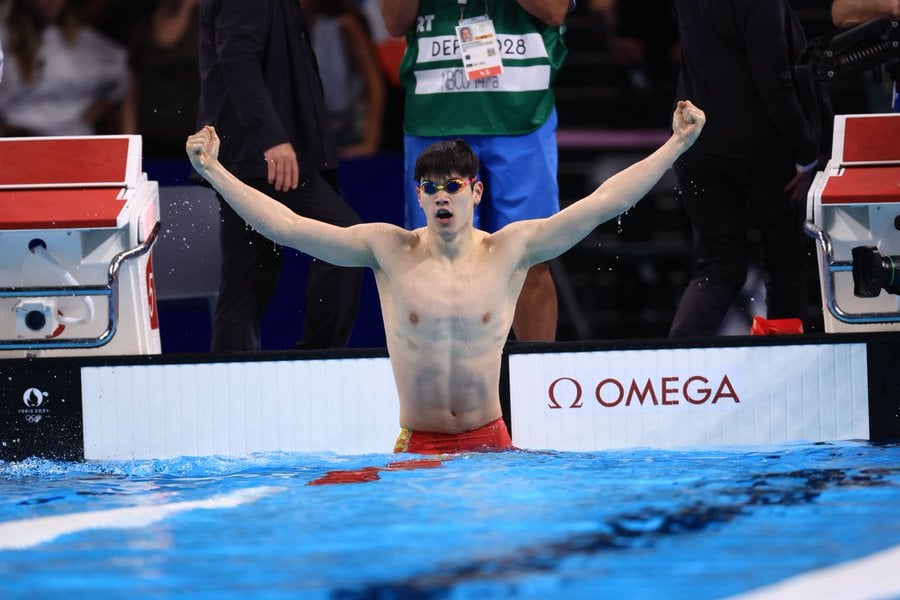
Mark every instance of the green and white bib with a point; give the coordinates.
(440, 101)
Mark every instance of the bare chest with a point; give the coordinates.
(459, 301)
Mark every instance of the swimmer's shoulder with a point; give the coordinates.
(389, 236)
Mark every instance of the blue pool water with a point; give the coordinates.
(638, 524)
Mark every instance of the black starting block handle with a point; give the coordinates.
(110, 290)
(829, 266)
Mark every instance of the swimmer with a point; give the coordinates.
(448, 291)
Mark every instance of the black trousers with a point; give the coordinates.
(725, 198)
(251, 265)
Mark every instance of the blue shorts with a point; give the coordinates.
(519, 174)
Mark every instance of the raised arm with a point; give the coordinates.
(548, 238)
(346, 247)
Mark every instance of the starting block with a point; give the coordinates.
(77, 221)
(853, 212)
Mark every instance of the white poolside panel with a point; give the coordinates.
(346, 406)
(696, 397)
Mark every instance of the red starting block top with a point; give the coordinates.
(863, 185)
(66, 182)
(59, 162)
(85, 208)
(861, 139)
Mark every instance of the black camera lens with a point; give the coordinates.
(873, 272)
(35, 320)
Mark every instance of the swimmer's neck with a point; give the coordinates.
(450, 245)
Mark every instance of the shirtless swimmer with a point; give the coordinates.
(448, 291)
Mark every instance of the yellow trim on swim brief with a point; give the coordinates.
(402, 443)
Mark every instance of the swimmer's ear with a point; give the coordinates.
(477, 191)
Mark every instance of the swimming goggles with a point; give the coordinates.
(452, 186)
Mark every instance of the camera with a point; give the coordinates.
(873, 272)
(36, 318)
(865, 47)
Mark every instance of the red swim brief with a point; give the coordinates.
(487, 438)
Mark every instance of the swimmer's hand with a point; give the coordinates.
(687, 122)
(203, 149)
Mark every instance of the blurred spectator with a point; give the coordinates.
(846, 13)
(115, 18)
(605, 13)
(629, 59)
(352, 80)
(389, 52)
(646, 45)
(162, 102)
(61, 76)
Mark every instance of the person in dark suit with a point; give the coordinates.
(260, 88)
(754, 162)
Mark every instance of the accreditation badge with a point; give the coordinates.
(478, 47)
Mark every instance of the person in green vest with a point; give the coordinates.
(481, 71)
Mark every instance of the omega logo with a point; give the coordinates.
(567, 392)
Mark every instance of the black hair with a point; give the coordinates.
(450, 157)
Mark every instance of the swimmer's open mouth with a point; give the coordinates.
(443, 214)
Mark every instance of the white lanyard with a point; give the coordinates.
(462, 7)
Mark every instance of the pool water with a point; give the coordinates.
(704, 523)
